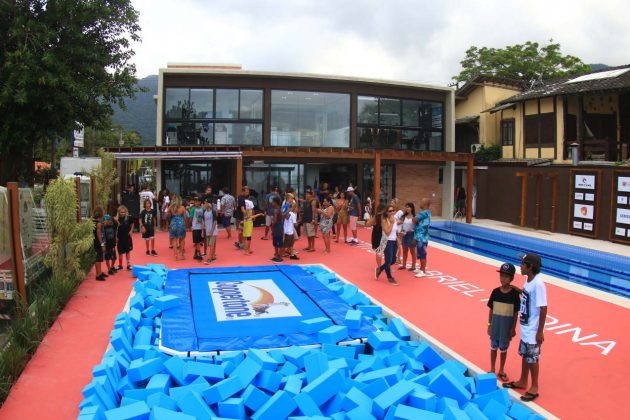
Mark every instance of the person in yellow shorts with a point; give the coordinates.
(248, 225)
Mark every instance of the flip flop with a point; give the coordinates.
(503, 376)
(528, 397)
(511, 385)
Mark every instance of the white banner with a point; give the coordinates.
(623, 216)
(78, 137)
(620, 232)
(623, 184)
(585, 182)
(579, 196)
(583, 211)
(250, 299)
(588, 226)
(622, 199)
(577, 225)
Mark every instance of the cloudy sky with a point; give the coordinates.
(415, 40)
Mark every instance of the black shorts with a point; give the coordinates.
(289, 240)
(110, 254)
(278, 241)
(98, 250)
(197, 236)
(149, 233)
(124, 245)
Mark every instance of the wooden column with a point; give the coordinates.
(92, 194)
(554, 200)
(523, 176)
(538, 177)
(377, 178)
(77, 185)
(19, 276)
(469, 186)
(239, 177)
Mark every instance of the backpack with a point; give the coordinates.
(109, 233)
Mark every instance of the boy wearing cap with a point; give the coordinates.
(504, 304)
(533, 312)
(354, 206)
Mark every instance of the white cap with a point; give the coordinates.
(350, 189)
(249, 204)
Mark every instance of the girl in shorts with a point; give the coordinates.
(211, 231)
(407, 237)
(248, 225)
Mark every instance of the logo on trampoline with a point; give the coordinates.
(250, 299)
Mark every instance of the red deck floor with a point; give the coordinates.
(583, 375)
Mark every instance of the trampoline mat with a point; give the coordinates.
(236, 308)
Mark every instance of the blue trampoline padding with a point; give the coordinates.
(193, 327)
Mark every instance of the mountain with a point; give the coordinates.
(141, 113)
(598, 66)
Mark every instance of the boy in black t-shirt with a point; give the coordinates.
(147, 223)
(504, 304)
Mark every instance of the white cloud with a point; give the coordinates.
(396, 39)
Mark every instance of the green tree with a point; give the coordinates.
(527, 62)
(106, 177)
(61, 62)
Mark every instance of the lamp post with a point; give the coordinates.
(121, 142)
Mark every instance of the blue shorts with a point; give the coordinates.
(407, 240)
(498, 344)
(421, 250)
(530, 352)
(226, 221)
(278, 241)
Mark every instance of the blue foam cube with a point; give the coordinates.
(92, 412)
(392, 396)
(325, 386)
(192, 403)
(175, 367)
(279, 406)
(428, 356)
(135, 411)
(399, 329)
(166, 302)
(313, 325)
(495, 410)
(445, 385)
(223, 390)
(161, 400)
(335, 352)
(212, 373)
(306, 405)
(162, 413)
(295, 355)
(356, 398)
(454, 413)
(519, 412)
(254, 398)
(485, 383)
(370, 310)
(333, 334)
(359, 413)
(268, 380)
(473, 411)
(382, 340)
(293, 385)
(315, 364)
(232, 408)
(140, 370)
(405, 412)
(391, 375)
(353, 319)
(266, 361)
(423, 399)
(160, 381)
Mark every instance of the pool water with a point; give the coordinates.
(597, 269)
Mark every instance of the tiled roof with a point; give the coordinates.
(481, 79)
(564, 86)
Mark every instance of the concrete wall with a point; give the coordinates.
(417, 181)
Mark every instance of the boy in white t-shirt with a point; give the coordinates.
(290, 219)
(533, 313)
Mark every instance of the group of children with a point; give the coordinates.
(204, 229)
(112, 238)
(507, 305)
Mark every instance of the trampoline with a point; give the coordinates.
(238, 308)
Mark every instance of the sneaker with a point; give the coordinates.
(278, 260)
(421, 274)
(111, 271)
(208, 261)
(203, 254)
(198, 258)
(294, 257)
(417, 271)
(392, 281)
(377, 272)
(148, 254)
(120, 267)
(237, 244)
(154, 253)
(128, 266)
(100, 277)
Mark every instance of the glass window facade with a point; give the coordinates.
(315, 119)
(212, 116)
(186, 178)
(389, 123)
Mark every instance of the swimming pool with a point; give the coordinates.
(597, 269)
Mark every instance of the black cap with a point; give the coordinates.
(532, 259)
(507, 268)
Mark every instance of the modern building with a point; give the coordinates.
(224, 126)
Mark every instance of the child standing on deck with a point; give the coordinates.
(248, 225)
(147, 223)
(109, 237)
(125, 227)
(504, 304)
(99, 243)
(277, 229)
(211, 232)
(197, 227)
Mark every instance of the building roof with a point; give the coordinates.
(612, 79)
(484, 80)
(197, 69)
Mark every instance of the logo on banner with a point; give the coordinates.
(623, 216)
(586, 182)
(623, 183)
(583, 211)
(250, 299)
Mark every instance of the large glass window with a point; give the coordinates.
(389, 123)
(314, 119)
(198, 116)
(227, 103)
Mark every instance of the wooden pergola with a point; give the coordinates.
(311, 153)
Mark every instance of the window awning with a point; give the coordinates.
(468, 120)
(500, 107)
(177, 155)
